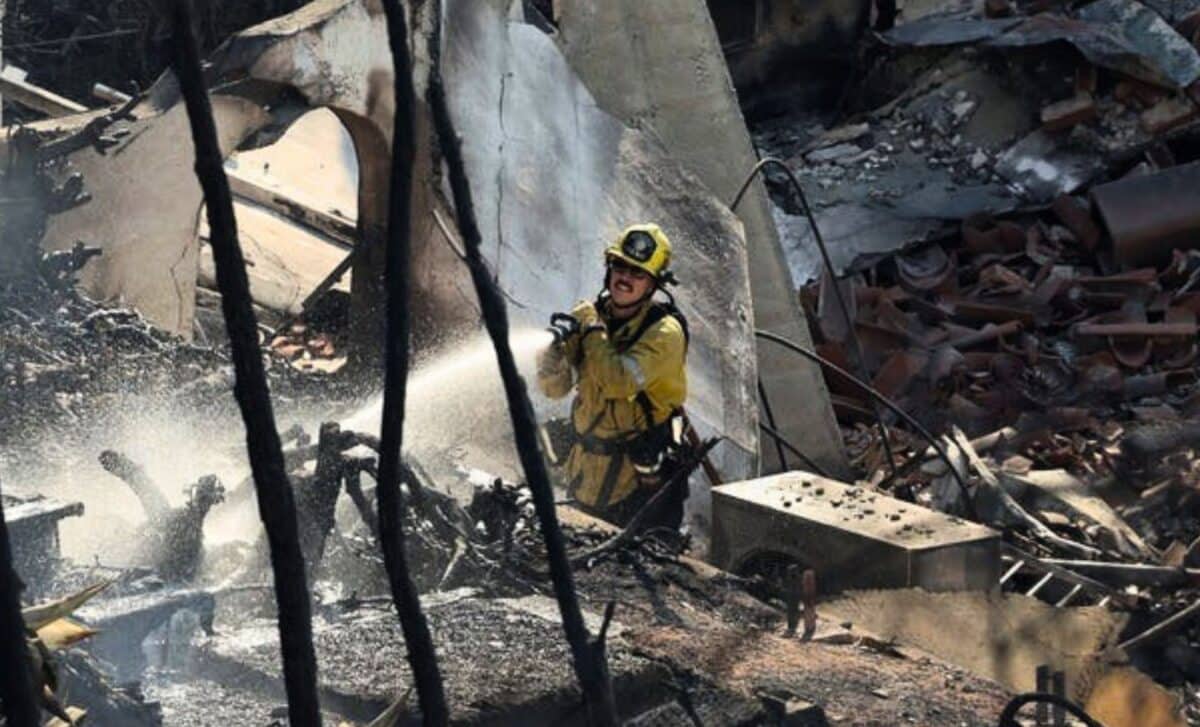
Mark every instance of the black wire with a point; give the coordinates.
(780, 441)
(855, 345)
(68, 41)
(880, 398)
(766, 404)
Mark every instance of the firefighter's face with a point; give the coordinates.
(628, 285)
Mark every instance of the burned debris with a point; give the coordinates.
(1004, 322)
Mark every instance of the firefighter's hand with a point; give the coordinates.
(586, 314)
(563, 327)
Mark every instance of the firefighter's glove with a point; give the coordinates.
(563, 327)
(587, 316)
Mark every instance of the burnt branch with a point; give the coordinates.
(589, 661)
(133, 474)
(421, 654)
(275, 499)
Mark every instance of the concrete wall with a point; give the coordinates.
(555, 178)
(658, 66)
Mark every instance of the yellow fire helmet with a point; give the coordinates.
(645, 247)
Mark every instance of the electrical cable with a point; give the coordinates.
(855, 345)
(881, 399)
(766, 404)
(72, 39)
(780, 441)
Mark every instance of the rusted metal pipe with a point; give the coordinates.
(1149, 216)
(1137, 330)
(988, 333)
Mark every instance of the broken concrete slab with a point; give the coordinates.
(1120, 34)
(285, 261)
(143, 214)
(33, 536)
(851, 536)
(1043, 167)
(1004, 637)
(125, 622)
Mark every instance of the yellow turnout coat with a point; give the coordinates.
(609, 364)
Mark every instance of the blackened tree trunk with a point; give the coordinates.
(421, 655)
(275, 498)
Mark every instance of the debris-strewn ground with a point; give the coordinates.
(1005, 296)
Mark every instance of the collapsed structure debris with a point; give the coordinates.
(1014, 243)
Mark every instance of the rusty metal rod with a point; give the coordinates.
(587, 656)
(1137, 330)
(782, 442)
(990, 332)
(275, 499)
(1162, 628)
(422, 656)
(860, 360)
(16, 687)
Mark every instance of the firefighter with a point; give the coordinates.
(624, 355)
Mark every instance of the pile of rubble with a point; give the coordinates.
(67, 360)
(1017, 232)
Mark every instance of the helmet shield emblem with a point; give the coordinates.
(639, 246)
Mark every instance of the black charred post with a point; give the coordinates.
(16, 688)
(275, 499)
(421, 655)
(318, 501)
(588, 657)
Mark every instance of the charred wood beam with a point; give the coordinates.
(587, 656)
(16, 688)
(397, 268)
(341, 231)
(353, 481)
(38, 98)
(133, 474)
(275, 500)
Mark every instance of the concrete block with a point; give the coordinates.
(854, 538)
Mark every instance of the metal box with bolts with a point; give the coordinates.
(854, 538)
